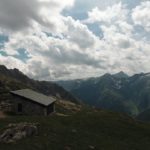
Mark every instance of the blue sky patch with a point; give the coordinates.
(22, 55)
(3, 39)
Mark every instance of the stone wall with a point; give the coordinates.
(28, 107)
(5, 107)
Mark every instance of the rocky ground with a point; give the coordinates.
(66, 108)
(15, 132)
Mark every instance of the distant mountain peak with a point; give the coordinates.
(106, 75)
(2, 67)
(121, 74)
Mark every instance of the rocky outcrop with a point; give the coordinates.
(5, 106)
(68, 106)
(15, 132)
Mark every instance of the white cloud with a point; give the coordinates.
(111, 14)
(72, 49)
(141, 15)
(79, 34)
(60, 47)
(122, 48)
(12, 62)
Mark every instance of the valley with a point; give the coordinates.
(116, 92)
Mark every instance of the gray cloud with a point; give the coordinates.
(74, 57)
(38, 71)
(18, 14)
(124, 44)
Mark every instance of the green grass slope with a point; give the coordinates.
(144, 116)
(101, 129)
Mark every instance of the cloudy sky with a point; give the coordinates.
(68, 39)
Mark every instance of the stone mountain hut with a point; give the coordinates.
(28, 102)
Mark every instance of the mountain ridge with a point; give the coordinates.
(118, 92)
(14, 79)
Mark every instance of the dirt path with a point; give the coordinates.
(2, 115)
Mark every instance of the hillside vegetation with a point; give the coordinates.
(85, 130)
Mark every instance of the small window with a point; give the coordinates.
(19, 107)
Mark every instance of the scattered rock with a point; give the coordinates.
(61, 115)
(67, 148)
(71, 107)
(15, 132)
(74, 131)
(91, 147)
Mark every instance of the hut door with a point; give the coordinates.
(19, 107)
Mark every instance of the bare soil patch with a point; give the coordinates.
(2, 115)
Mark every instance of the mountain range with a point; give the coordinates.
(13, 79)
(80, 123)
(117, 92)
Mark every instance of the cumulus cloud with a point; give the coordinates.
(79, 33)
(62, 47)
(12, 62)
(46, 52)
(19, 14)
(123, 49)
(141, 15)
(112, 13)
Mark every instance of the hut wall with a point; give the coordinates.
(27, 107)
(51, 108)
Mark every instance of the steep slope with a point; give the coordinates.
(117, 92)
(70, 84)
(13, 79)
(137, 89)
(104, 92)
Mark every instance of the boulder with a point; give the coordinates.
(15, 132)
(91, 147)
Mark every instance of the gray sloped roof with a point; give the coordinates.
(34, 96)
